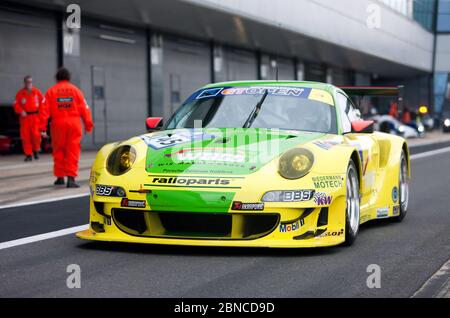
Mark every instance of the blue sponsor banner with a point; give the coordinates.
(287, 91)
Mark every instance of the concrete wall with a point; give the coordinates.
(399, 39)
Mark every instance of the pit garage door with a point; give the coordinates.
(239, 65)
(114, 80)
(342, 77)
(186, 67)
(273, 68)
(315, 72)
(28, 45)
(286, 69)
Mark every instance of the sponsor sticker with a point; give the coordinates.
(289, 196)
(271, 90)
(328, 234)
(321, 96)
(103, 190)
(321, 198)
(213, 92)
(291, 227)
(239, 206)
(382, 213)
(395, 194)
(324, 182)
(189, 181)
(287, 91)
(215, 156)
(109, 191)
(132, 203)
(396, 210)
(297, 196)
(171, 140)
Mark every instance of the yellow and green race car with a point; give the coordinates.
(250, 164)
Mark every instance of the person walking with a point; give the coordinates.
(66, 106)
(28, 103)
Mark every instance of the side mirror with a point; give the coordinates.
(363, 127)
(154, 123)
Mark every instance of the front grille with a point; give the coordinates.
(195, 225)
(219, 225)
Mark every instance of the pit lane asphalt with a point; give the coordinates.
(408, 254)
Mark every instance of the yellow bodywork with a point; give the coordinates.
(376, 155)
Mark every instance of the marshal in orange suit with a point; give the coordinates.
(28, 103)
(66, 106)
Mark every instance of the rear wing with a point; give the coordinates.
(375, 91)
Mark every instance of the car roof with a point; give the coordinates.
(316, 85)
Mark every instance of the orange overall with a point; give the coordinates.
(29, 102)
(65, 105)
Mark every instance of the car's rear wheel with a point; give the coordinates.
(403, 188)
(352, 211)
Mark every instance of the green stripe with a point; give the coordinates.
(190, 201)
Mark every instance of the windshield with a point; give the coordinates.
(290, 108)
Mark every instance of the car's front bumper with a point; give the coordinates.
(286, 227)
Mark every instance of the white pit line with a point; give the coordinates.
(67, 197)
(430, 153)
(42, 237)
(50, 235)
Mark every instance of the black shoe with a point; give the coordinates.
(71, 183)
(28, 158)
(59, 181)
(36, 155)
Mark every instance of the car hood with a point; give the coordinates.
(218, 151)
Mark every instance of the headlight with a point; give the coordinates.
(295, 163)
(401, 129)
(121, 160)
(447, 123)
(421, 129)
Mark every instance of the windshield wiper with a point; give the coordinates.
(255, 111)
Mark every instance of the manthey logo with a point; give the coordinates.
(210, 155)
(223, 146)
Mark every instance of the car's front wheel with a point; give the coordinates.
(352, 213)
(403, 188)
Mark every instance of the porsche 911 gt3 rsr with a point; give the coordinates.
(257, 164)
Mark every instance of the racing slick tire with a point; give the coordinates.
(403, 187)
(352, 211)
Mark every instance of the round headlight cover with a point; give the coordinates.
(121, 160)
(295, 163)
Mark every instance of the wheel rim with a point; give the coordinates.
(404, 186)
(353, 200)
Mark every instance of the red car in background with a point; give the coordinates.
(10, 142)
(5, 144)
